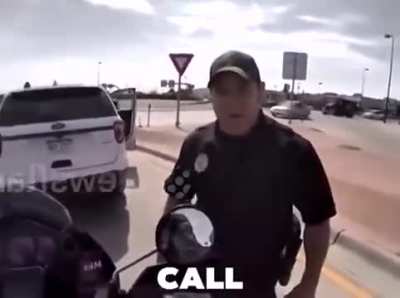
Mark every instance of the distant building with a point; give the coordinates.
(355, 99)
(318, 101)
(272, 97)
(329, 94)
(201, 93)
(368, 103)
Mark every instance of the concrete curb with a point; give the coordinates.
(385, 261)
(373, 255)
(156, 153)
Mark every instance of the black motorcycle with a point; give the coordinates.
(184, 239)
(43, 255)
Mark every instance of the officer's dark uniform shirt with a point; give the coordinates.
(248, 186)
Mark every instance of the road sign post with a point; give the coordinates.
(148, 114)
(181, 62)
(131, 140)
(178, 103)
(294, 68)
(294, 77)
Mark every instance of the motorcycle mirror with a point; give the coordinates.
(185, 236)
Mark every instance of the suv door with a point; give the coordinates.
(125, 101)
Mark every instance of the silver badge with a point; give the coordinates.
(201, 163)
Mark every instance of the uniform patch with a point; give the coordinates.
(171, 189)
(201, 163)
(186, 188)
(179, 181)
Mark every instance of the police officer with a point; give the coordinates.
(248, 171)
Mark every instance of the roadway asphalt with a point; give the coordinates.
(127, 231)
(375, 136)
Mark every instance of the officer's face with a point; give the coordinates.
(236, 102)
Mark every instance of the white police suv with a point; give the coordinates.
(62, 139)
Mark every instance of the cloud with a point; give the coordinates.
(142, 6)
(366, 20)
(318, 20)
(35, 29)
(363, 18)
(218, 16)
(379, 51)
(44, 39)
(202, 33)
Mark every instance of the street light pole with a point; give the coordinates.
(98, 73)
(389, 36)
(365, 70)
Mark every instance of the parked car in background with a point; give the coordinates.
(374, 114)
(268, 103)
(330, 109)
(291, 110)
(65, 138)
(342, 106)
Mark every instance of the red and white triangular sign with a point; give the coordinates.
(181, 61)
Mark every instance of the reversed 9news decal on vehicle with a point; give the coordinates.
(195, 279)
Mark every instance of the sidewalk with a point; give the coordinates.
(364, 185)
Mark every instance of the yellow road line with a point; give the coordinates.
(344, 282)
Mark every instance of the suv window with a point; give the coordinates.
(51, 105)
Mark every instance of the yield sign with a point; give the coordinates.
(181, 61)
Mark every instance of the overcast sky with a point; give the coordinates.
(44, 40)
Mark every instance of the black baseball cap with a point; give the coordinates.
(237, 62)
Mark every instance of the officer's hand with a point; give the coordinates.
(302, 291)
